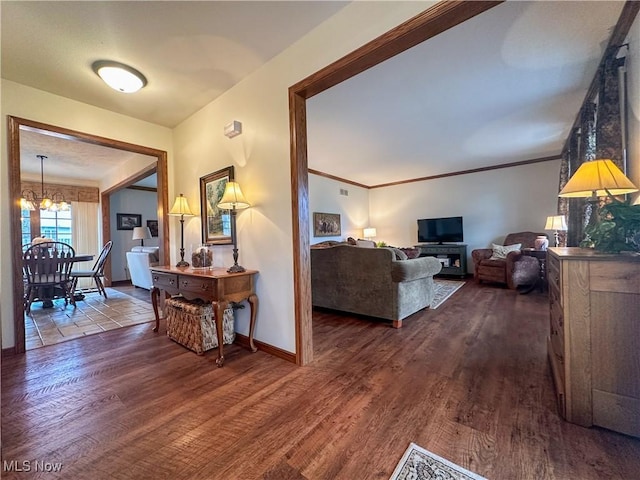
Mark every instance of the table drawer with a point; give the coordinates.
(195, 285)
(163, 280)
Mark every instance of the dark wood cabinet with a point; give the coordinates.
(452, 256)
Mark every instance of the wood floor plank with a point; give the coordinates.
(468, 381)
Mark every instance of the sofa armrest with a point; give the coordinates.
(414, 268)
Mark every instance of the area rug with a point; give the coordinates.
(443, 290)
(420, 464)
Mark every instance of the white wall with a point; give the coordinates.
(25, 102)
(324, 196)
(633, 89)
(129, 201)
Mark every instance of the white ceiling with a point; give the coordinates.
(502, 87)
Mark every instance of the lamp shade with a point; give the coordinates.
(181, 207)
(369, 232)
(594, 178)
(556, 222)
(232, 198)
(141, 233)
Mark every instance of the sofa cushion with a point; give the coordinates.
(501, 251)
(400, 255)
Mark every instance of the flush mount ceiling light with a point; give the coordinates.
(119, 76)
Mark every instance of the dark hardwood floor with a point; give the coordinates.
(468, 381)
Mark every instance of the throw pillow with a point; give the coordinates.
(500, 252)
(411, 252)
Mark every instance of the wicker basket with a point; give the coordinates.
(192, 324)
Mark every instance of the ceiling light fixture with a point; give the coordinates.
(119, 76)
(53, 202)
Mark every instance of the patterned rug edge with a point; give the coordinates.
(444, 289)
(420, 464)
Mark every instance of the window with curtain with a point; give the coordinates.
(85, 228)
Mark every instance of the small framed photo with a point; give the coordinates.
(127, 221)
(153, 227)
(326, 224)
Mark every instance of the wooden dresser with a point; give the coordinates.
(594, 341)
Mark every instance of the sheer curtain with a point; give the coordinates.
(85, 234)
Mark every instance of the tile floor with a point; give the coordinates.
(94, 314)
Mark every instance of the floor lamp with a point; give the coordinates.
(233, 200)
(181, 208)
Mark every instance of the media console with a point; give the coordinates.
(452, 256)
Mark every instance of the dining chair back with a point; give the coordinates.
(47, 265)
(96, 273)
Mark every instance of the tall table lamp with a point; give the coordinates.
(369, 232)
(597, 178)
(233, 200)
(556, 223)
(142, 234)
(181, 208)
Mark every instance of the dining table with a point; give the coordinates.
(47, 294)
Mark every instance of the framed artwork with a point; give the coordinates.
(326, 224)
(127, 221)
(216, 223)
(153, 227)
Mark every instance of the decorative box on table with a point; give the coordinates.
(192, 324)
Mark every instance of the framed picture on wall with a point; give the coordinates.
(216, 223)
(127, 221)
(326, 224)
(153, 227)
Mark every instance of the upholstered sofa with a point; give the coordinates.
(376, 282)
(139, 259)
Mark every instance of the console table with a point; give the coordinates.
(213, 285)
(452, 256)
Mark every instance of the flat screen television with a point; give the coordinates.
(440, 230)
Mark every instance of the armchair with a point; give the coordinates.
(139, 259)
(513, 270)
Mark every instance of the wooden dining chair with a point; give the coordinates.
(45, 266)
(96, 273)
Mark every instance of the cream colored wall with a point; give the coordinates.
(37, 105)
(492, 204)
(633, 89)
(261, 156)
(325, 196)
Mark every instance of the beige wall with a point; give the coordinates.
(32, 104)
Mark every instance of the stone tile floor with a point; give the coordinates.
(93, 314)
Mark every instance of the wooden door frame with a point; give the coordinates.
(160, 167)
(440, 17)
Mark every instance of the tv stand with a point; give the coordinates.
(453, 257)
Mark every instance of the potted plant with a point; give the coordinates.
(617, 228)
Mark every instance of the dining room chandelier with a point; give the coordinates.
(45, 201)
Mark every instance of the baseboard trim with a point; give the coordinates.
(243, 341)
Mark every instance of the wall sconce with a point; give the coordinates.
(233, 129)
